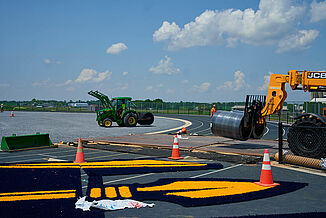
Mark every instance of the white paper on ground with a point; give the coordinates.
(110, 204)
(83, 204)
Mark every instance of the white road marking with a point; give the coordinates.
(123, 179)
(300, 170)
(19, 161)
(203, 130)
(186, 124)
(266, 131)
(216, 171)
(197, 126)
(26, 155)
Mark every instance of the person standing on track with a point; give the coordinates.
(213, 110)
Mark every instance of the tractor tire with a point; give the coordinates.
(146, 118)
(100, 123)
(107, 122)
(306, 139)
(130, 120)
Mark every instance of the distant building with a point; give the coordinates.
(93, 107)
(318, 97)
(238, 107)
(78, 105)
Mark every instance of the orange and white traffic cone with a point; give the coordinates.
(80, 153)
(266, 177)
(12, 114)
(175, 150)
(182, 131)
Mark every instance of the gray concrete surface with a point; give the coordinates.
(70, 126)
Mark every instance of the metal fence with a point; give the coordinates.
(174, 108)
(305, 146)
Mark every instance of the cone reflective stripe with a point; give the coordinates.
(80, 153)
(175, 150)
(182, 131)
(266, 177)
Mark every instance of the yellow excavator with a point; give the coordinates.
(305, 137)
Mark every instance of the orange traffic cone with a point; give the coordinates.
(182, 131)
(266, 177)
(175, 150)
(12, 114)
(80, 153)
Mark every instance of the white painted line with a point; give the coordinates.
(111, 155)
(203, 130)
(216, 171)
(197, 126)
(123, 179)
(26, 155)
(186, 124)
(300, 170)
(266, 131)
(20, 161)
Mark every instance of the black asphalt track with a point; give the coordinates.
(307, 201)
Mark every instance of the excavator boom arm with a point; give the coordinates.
(303, 80)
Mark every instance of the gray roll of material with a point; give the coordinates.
(230, 124)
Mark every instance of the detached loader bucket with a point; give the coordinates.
(14, 143)
(145, 118)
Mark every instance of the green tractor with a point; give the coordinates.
(120, 110)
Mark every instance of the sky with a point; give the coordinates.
(185, 50)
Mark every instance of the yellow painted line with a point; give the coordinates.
(37, 195)
(40, 166)
(108, 164)
(205, 189)
(186, 124)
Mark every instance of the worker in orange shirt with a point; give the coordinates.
(213, 110)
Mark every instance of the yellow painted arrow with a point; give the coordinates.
(204, 189)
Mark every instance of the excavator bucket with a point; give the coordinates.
(22, 142)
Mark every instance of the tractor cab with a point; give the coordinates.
(121, 104)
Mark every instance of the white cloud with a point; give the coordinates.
(68, 82)
(238, 83)
(202, 87)
(49, 61)
(299, 41)
(149, 88)
(170, 91)
(116, 48)
(165, 66)
(273, 20)
(318, 11)
(185, 81)
(124, 86)
(166, 31)
(266, 82)
(43, 83)
(90, 75)
(124, 73)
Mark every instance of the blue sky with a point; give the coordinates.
(185, 50)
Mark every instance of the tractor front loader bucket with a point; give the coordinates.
(22, 142)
